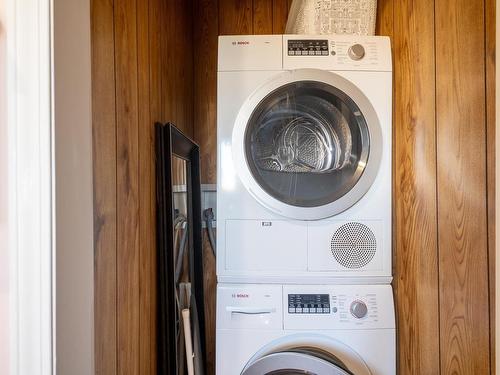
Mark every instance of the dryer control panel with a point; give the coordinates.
(337, 52)
(308, 47)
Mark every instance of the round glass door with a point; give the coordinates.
(307, 144)
(310, 361)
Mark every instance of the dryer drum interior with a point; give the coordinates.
(307, 143)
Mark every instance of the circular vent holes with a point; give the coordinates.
(353, 245)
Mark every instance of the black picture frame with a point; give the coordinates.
(170, 143)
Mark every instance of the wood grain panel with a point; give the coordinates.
(155, 62)
(490, 20)
(462, 211)
(205, 85)
(262, 17)
(127, 196)
(177, 64)
(415, 251)
(165, 57)
(205, 34)
(184, 65)
(147, 248)
(385, 18)
(280, 16)
(104, 176)
(148, 313)
(235, 17)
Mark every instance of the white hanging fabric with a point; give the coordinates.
(332, 17)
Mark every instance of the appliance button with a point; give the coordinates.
(358, 309)
(356, 52)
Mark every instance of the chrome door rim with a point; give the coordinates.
(348, 199)
(293, 361)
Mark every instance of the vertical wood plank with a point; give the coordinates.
(205, 85)
(235, 17)
(385, 19)
(183, 66)
(127, 186)
(262, 17)
(148, 257)
(280, 15)
(147, 248)
(205, 32)
(177, 64)
(104, 176)
(490, 20)
(416, 251)
(166, 59)
(462, 211)
(155, 62)
(186, 65)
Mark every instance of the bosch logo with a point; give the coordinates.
(240, 295)
(241, 43)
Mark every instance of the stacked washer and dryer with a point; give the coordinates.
(304, 206)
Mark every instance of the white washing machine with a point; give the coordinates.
(304, 159)
(313, 329)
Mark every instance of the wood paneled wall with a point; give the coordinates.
(142, 73)
(443, 54)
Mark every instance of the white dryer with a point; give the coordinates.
(313, 329)
(304, 159)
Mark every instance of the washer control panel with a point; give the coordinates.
(308, 304)
(338, 306)
(304, 307)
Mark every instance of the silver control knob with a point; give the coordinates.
(356, 52)
(359, 309)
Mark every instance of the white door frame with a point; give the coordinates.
(30, 187)
(50, 208)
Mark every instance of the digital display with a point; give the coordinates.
(311, 47)
(308, 304)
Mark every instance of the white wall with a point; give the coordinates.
(73, 188)
(4, 255)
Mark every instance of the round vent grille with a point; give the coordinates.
(353, 245)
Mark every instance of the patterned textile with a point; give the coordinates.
(332, 17)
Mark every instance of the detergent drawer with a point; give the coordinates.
(249, 306)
